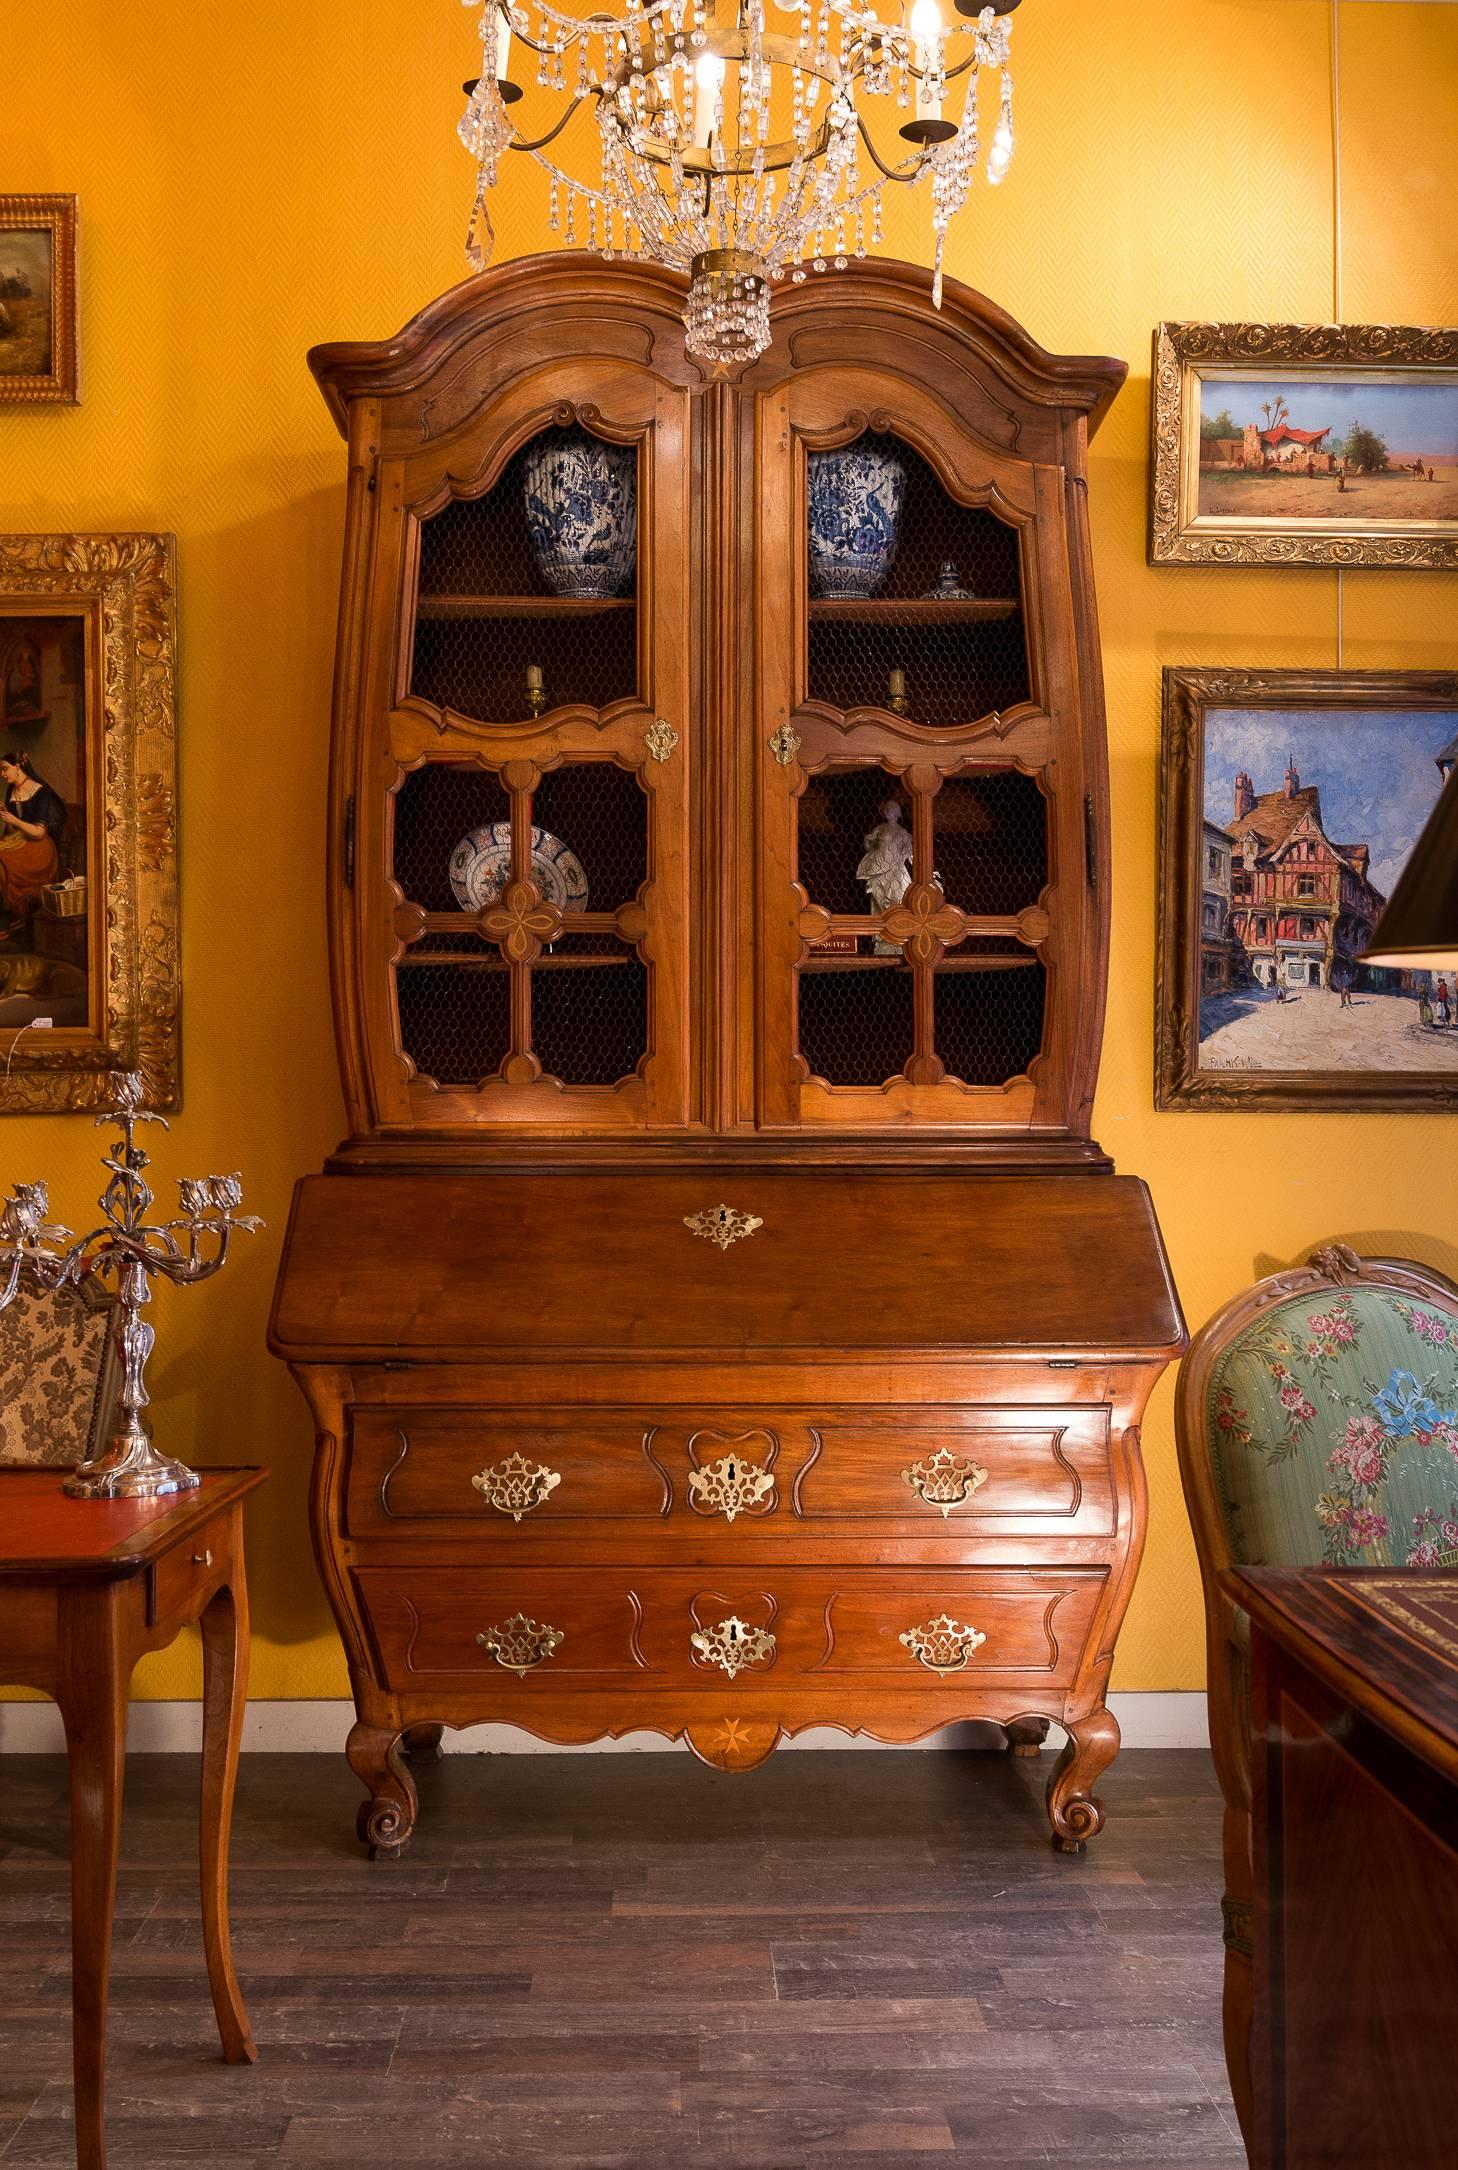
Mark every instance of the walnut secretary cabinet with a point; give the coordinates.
(718, 1319)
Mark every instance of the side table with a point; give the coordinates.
(1354, 1764)
(86, 1588)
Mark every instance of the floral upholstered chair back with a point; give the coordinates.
(57, 1379)
(1332, 1423)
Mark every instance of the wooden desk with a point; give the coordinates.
(1354, 1715)
(86, 1588)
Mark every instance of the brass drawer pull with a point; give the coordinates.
(521, 1643)
(516, 1485)
(944, 1480)
(733, 1645)
(729, 1487)
(941, 1645)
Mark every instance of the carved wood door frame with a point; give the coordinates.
(650, 734)
(796, 738)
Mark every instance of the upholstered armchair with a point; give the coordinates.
(1317, 1421)
(58, 1377)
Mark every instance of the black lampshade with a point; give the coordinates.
(1420, 925)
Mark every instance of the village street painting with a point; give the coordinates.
(1329, 447)
(1309, 817)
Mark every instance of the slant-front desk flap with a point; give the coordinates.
(527, 1266)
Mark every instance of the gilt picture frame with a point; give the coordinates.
(39, 331)
(88, 821)
(1304, 445)
(1289, 802)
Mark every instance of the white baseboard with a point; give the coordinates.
(1151, 1719)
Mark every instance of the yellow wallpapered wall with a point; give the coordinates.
(254, 179)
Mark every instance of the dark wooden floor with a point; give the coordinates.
(838, 1962)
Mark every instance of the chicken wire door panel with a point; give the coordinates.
(920, 766)
(527, 595)
(533, 920)
(914, 600)
(521, 928)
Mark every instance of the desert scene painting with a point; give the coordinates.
(25, 302)
(1350, 449)
(1309, 817)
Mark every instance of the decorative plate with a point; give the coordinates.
(480, 868)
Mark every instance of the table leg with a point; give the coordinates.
(92, 1694)
(224, 1625)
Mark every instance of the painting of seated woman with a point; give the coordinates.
(43, 820)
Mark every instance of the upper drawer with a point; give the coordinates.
(933, 1473)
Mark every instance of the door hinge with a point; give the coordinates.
(1090, 843)
(349, 842)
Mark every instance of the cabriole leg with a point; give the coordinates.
(387, 1818)
(1074, 1811)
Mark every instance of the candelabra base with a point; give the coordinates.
(132, 1474)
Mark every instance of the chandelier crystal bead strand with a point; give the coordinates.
(739, 149)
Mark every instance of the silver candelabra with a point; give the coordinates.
(125, 1250)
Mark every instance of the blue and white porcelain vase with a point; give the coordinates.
(582, 513)
(855, 514)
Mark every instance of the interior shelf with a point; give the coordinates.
(913, 610)
(545, 963)
(520, 606)
(950, 963)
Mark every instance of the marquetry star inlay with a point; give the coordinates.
(733, 1738)
(522, 922)
(924, 924)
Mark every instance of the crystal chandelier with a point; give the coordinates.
(735, 152)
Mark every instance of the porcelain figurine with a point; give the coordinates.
(855, 514)
(582, 514)
(885, 871)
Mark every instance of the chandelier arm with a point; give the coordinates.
(914, 168)
(539, 143)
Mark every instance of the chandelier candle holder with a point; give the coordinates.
(739, 153)
(129, 1252)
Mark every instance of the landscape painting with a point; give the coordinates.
(1292, 803)
(1328, 449)
(1294, 444)
(38, 298)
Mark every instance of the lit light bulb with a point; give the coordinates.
(1000, 155)
(925, 25)
(709, 82)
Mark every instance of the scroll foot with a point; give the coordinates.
(387, 1819)
(1074, 1810)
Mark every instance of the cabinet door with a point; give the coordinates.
(922, 805)
(525, 834)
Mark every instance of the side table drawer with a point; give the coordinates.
(934, 1474)
(674, 1627)
(185, 1569)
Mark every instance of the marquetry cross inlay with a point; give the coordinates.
(522, 922)
(924, 924)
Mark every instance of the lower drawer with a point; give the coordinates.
(670, 1627)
